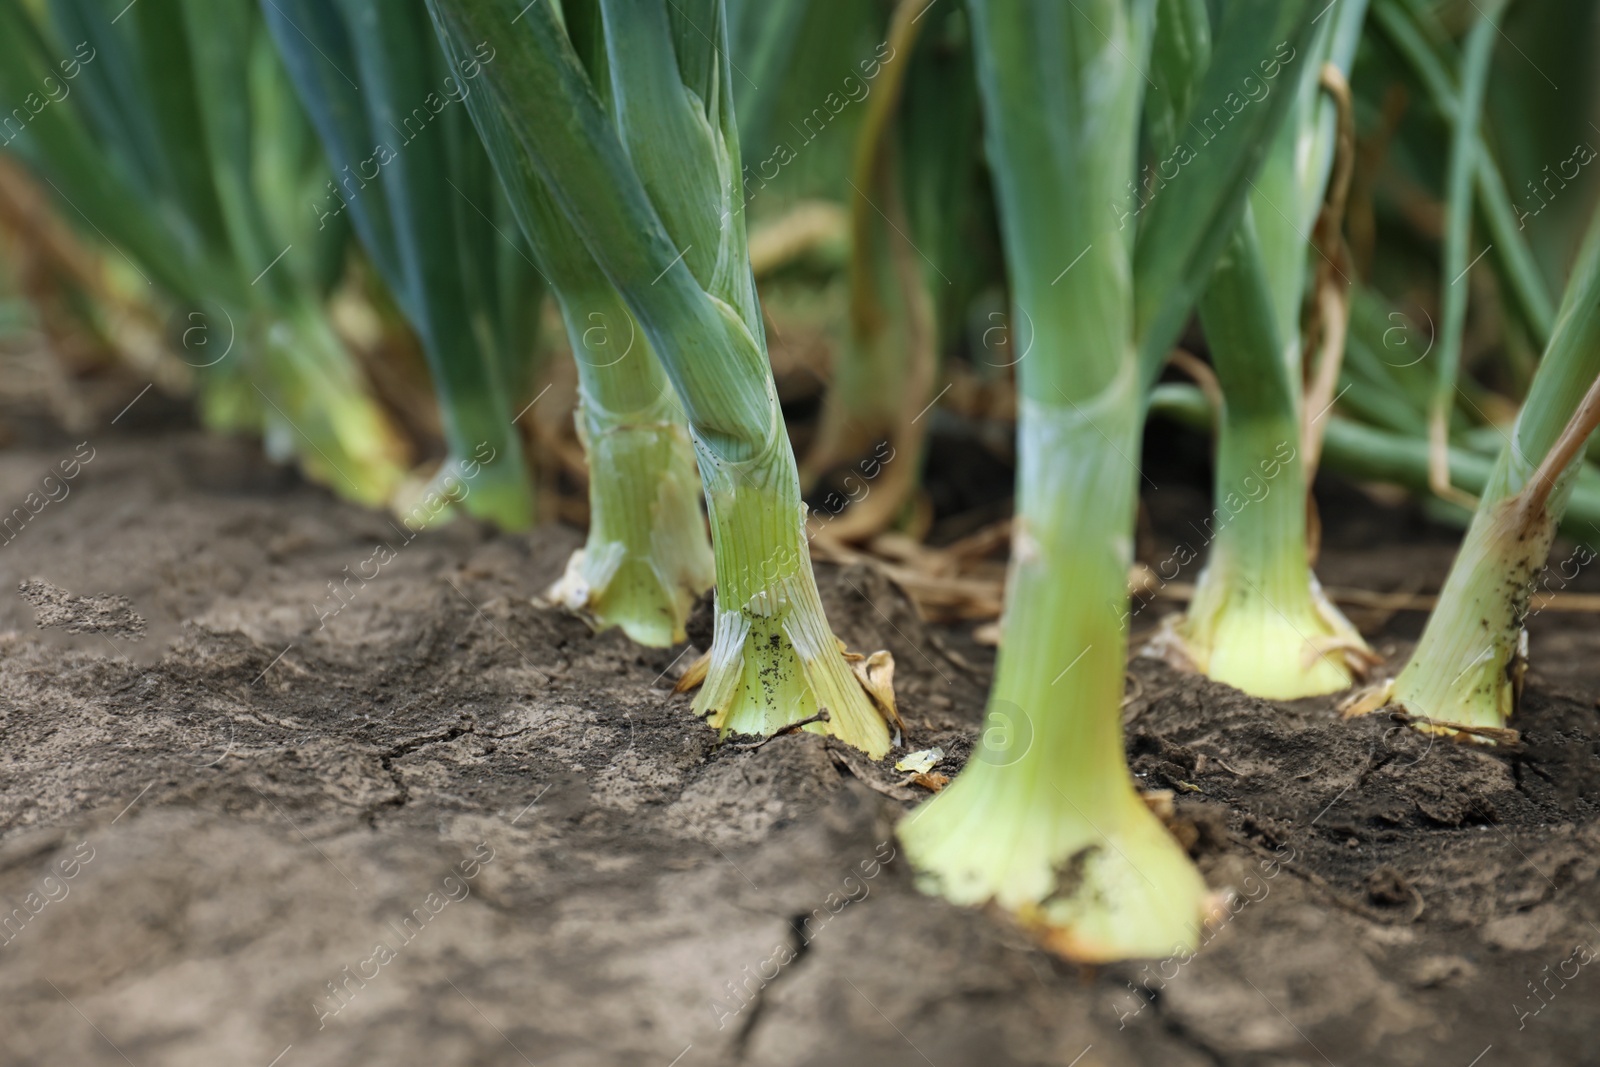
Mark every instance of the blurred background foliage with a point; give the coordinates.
(142, 209)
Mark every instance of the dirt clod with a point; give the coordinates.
(55, 607)
(1385, 885)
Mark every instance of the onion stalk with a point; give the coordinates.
(1464, 144)
(653, 186)
(1044, 819)
(414, 180)
(1258, 620)
(647, 556)
(1399, 21)
(1466, 670)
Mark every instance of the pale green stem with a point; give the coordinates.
(1048, 789)
(1258, 620)
(1463, 673)
(774, 660)
(647, 556)
(1044, 819)
(322, 408)
(1465, 665)
(1458, 229)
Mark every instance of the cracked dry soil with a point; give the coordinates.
(448, 826)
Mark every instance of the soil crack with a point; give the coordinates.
(757, 1008)
(405, 748)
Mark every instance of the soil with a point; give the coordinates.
(563, 867)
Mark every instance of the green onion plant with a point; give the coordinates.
(171, 132)
(1258, 619)
(417, 186)
(1404, 362)
(652, 184)
(1060, 836)
(1044, 819)
(1467, 668)
(647, 555)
